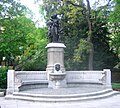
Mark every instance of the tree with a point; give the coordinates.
(9, 10)
(114, 26)
(86, 12)
(71, 34)
(13, 39)
(22, 43)
(80, 33)
(22, 40)
(34, 56)
(104, 56)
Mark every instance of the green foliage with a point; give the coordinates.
(104, 56)
(11, 9)
(34, 57)
(116, 85)
(14, 38)
(21, 42)
(75, 35)
(75, 27)
(3, 77)
(10, 37)
(50, 7)
(114, 26)
(83, 48)
(115, 14)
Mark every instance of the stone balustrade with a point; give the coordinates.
(31, 75)
(100, 77)
(85, 76)
(17, 79)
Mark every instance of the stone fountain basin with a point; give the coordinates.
(57, 76)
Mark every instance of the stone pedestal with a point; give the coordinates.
(55, 54)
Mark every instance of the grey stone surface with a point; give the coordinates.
(22, 80)
(55, 54)
(71, 89)
(111, 102)
(1, 94)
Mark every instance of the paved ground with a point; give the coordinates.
(111, 102)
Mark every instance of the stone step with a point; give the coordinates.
(62, 98)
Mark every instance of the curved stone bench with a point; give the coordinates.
(91, 77)
(33, 84)
(87, 81)
(30, 79)
(23, 80)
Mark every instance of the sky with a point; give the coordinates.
(35, 9)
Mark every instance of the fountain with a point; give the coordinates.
(57, 76)
(56, 84)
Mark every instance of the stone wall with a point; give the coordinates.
(86, 77)
(100, 77)
(20, 80)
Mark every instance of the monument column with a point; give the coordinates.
(55, 55)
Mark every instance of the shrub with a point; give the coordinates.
(3, 77)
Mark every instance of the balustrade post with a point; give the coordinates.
(10, 81)
(107, 78)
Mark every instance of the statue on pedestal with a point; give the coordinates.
(54, 29)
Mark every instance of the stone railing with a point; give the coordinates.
(101, 77)
(16, 79)
(31, 75)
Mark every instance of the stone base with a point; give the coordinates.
(62, 95)
(52, 84)
(9, 91)
(55, 54)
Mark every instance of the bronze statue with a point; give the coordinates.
(53, 29)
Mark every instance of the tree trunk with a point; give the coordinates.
(89, 38)
(90, 59)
